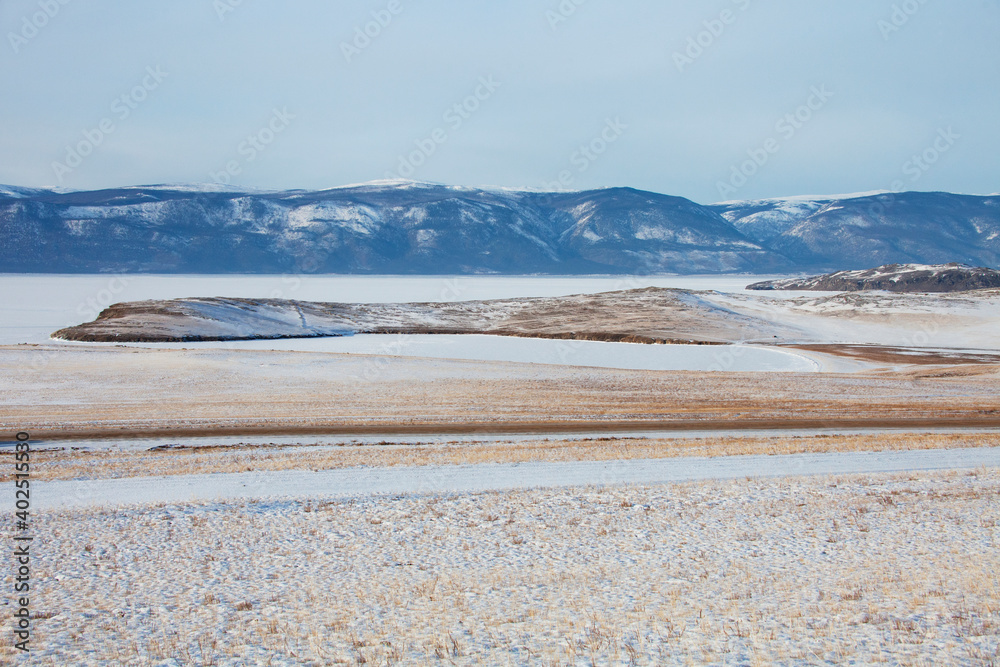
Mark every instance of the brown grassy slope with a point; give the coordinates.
(651, 315)
(59, 391)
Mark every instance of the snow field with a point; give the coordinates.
(822, 570)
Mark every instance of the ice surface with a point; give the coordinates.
(356, 482)
(733, 358)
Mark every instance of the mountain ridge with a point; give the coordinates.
(409, 227)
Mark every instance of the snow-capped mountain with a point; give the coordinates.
(413, 228)
(857, 232)
(764, 219)
(385, 227)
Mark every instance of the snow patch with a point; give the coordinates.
(801, 198)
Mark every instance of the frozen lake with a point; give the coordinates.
(33, 306)
(538, 351)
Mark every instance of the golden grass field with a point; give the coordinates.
(112, 392)
(69, 463)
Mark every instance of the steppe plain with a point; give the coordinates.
(873, 567)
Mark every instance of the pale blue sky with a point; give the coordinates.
(676, 126)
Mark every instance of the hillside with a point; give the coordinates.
(893, 278)
(403, 227)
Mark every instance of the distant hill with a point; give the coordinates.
(403, 227)
(894, 278)
(856, 232)
(649, 315)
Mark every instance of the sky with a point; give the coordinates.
(712, 100)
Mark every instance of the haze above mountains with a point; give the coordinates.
(402, 227)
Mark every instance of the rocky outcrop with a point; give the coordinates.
(893, 278)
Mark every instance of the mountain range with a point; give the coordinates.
(404, 227)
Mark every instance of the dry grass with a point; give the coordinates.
(103, 464)
(788, 572)
(121, 392)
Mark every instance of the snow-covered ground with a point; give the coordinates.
(359, 482)
(955, 321)
(845, 570)
(747, 559)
